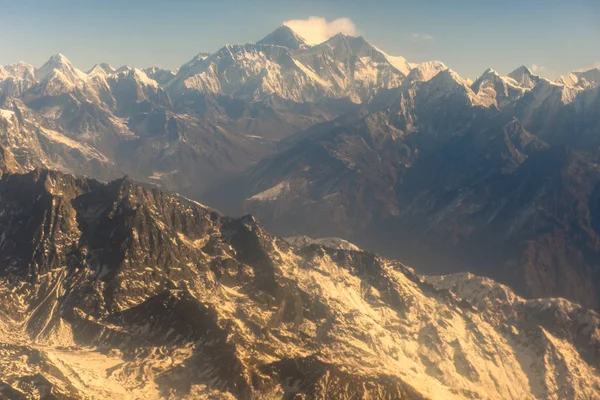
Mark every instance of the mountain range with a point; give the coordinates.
(117, 290)
(340, 139)
(488, 188)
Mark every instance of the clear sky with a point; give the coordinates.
(552, 36)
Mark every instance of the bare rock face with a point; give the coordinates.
(118, 290)
(8, 163)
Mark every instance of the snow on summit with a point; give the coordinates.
(286, 37)
(58, 63)
(525, 77)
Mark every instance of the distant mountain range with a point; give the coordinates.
(496, 176)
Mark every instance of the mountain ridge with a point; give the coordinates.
(141, 294)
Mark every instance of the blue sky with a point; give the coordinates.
(552, 36)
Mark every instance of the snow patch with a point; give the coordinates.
(272, 193)
(334, 243)
(58, 137)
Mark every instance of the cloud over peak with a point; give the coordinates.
(421, 37)
(316, 30)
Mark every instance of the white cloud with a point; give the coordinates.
(538, 69)
(421, 37)
(588, 67)
(544, 71)
(317, 29)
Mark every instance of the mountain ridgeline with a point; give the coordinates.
(117, 290)
(489, 189)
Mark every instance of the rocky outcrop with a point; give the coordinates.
(119, 290)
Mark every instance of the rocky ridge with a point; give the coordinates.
(119, 290)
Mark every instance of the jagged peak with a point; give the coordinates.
(137, 75)
(488, 75)
(448, 82)
(20, 70)
(587, 70)
(122, 187)
(582, 78)
(227, 49)
(101, 69)
(141, 76)
(59, 58)
(357, 45)
(522, 70)
(524, 77)
(286, 37)
(425, 71)
(107, 67)
(449, 74)
(51, 181)
(152, 70)
(59, 62)
(20, 63)
(342, 37)
(123, 68)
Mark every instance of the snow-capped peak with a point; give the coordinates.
(494, 89)
(425, 71)
(449, 75)
(20, 70)
(59, 58)
(491, 74)
(101, 69)
(584, 79)
(57, 61)
(354, 40)
(123, 68)
(524, 77)
(137, 75)
(397, 62)
(357, 44)
(61, 64)
(522, 70)
(448, 83)
(286, 37)
(143, 78)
